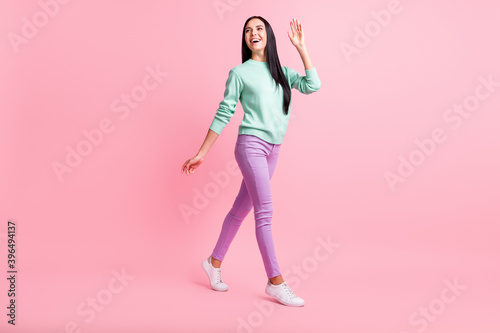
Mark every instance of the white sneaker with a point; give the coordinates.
(214, 275)
(283, 294)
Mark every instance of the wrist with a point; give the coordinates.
(301, 47)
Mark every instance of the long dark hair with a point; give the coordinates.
(273, 61)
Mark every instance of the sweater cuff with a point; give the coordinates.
(217, 125)
(311, 73)
(313, 79)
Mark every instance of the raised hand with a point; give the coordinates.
(297, 34)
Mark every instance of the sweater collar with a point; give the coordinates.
(258, 63)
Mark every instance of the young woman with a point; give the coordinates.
(263, 87)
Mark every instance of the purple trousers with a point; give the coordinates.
(256, 159)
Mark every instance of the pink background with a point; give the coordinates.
(121, 208)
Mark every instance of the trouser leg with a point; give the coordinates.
(257, 160)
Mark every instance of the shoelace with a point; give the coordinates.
(219, 277)
(219, 273)
(288, 290)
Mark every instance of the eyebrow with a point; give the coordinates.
(260, 25)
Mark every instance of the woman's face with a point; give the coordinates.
(255, 35)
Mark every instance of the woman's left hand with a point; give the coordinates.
(297, 36)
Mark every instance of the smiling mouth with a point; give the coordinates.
(255, 41)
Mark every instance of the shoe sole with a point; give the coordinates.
(276, 298)
(204, 265)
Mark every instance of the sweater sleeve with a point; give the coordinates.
(305, 84)
(227, 106)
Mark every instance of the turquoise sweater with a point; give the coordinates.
(252, 84)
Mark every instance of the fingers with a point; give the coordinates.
(298, 25)
(295, 25)
(190, 165)
(187, 168)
